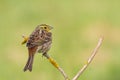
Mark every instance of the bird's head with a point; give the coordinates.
(46, 27)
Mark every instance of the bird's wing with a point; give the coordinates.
(38, 38)
(33, 38)
(44, 37)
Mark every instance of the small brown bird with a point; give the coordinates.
(39, 41)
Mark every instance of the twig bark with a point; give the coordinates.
(54, 63)
(63, 73)
(89, 59)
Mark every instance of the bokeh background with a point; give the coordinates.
(78, 24)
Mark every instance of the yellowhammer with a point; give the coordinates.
(39, 41)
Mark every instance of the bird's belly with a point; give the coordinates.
(44, 48)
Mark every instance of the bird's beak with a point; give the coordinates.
(51, 27)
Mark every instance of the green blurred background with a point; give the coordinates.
(78, 24)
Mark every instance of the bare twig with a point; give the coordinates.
(89, 60)
(52, 61)
(25, 39)
(63, 73)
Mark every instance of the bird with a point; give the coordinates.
(39, 41)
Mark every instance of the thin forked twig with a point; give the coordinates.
(52, 61)
(89, 60)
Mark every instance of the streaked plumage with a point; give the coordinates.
(39, 41)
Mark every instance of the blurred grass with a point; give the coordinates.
(77, 27)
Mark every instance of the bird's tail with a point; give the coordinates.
(29, 63)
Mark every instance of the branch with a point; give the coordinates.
(52, 61)
(89, 60)
(63, 73)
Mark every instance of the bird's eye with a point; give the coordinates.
(45, 27)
